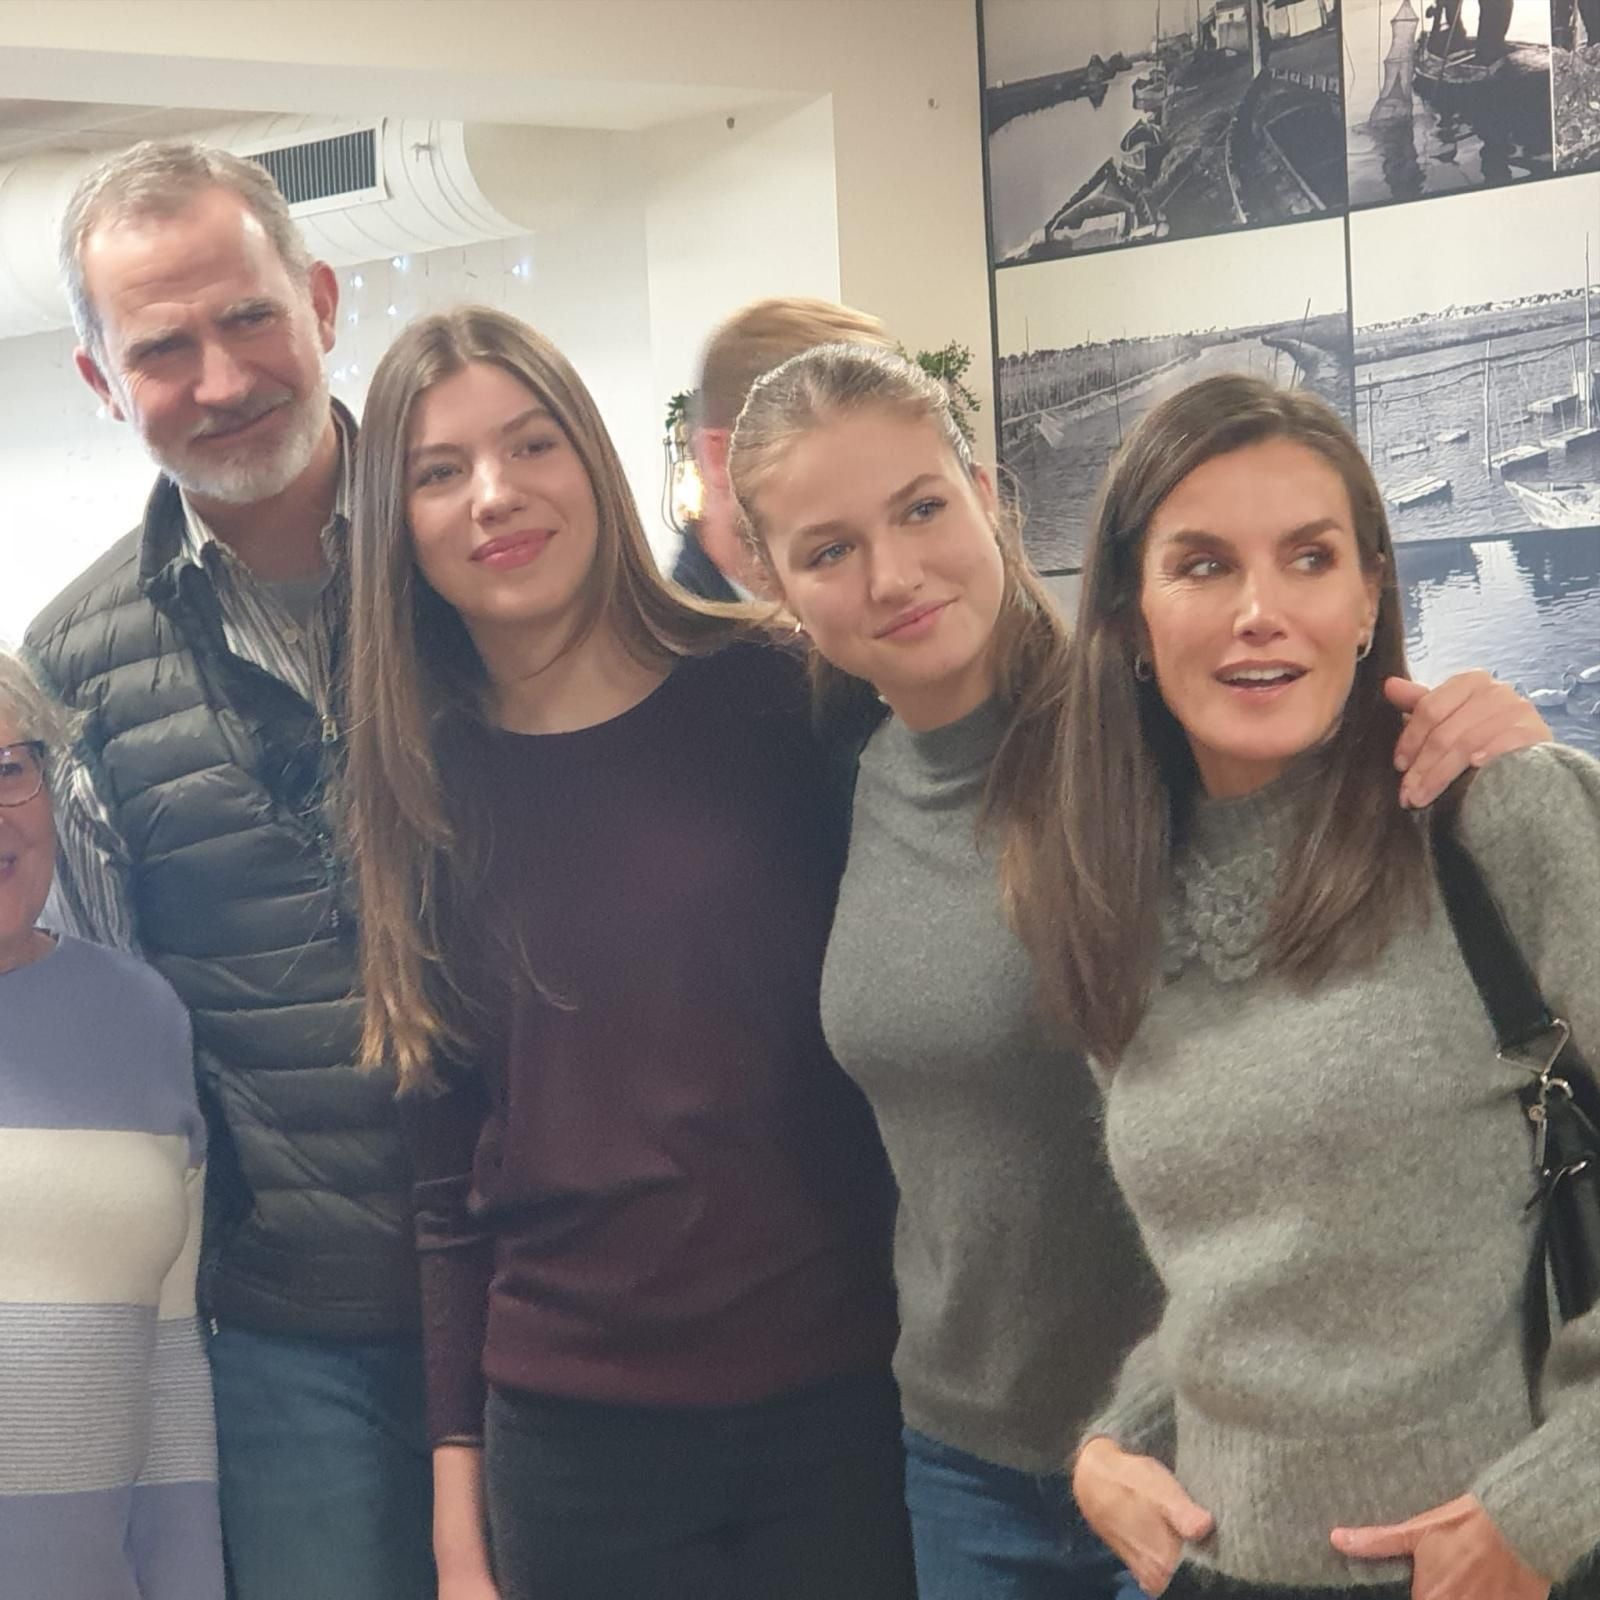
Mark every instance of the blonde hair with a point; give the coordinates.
(759, 337)
(831, 385)
(37, 713)
(415, 682)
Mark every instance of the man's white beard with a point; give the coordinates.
(254, 476)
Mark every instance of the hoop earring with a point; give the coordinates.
(1365, 648)
(1142, 670)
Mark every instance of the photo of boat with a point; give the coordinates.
(1482, 371)
(1417, 491)
(1123, 122)
(1568, 505)
(1443, 96)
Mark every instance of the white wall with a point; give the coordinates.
(644, 243)
(733, 215)
(900, 76)
(853, 171)
(75, 480)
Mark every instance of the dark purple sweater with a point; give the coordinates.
(661, 1190)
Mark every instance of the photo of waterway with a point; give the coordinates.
(1117, 122)
(1037, 160)
(1476, 398)
(1527, 608)
(1088, 347)
(1437, 102)
(1492, 424)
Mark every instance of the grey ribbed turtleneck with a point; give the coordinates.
(1333, 1186)
(1020, 1276)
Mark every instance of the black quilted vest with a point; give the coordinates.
(213, 773)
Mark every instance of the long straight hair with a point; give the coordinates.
(415, 686)
(832, 384)
(1087, 894)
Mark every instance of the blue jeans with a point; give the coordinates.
(324, 1468)
(987, 1532)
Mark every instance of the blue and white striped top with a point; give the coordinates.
(107, 1447)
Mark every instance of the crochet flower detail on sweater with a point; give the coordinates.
(1217, 913)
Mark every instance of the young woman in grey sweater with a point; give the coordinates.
(1021, 1283)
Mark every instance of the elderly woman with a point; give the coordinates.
(107, 1469)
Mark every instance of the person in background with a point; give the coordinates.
(108, 1476)
(1021, 1278)
(199, 653)
(713, 562)
(597, 847)
(1305, 1101)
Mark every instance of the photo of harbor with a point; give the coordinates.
(1115, 122)
(1087, 347)
(1475, 394)
(1575, 79)
(1527, 608)
(1445, 95)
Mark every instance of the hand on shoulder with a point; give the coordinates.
(1469, 720)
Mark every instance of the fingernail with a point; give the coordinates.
(1402, 762)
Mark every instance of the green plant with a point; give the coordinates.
(678, 409)
(949, 365)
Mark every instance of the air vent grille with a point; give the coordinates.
(344, 167)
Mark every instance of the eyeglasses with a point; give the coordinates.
(21, 771)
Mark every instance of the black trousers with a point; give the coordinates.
(1188, 1583)
(1191, 1583)
(799, 1498)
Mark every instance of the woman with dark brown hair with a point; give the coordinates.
(1305, 1104)
(597, 849)
(1021, 1281)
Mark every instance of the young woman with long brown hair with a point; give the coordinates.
(1021, 1280)
(597, 848)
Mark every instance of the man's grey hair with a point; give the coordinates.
(159, 178)
(36, 714)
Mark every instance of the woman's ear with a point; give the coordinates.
(983, 482)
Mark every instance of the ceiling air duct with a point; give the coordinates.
(359, 190)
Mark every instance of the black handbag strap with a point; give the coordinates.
(1510, 991)
(1519, 1015)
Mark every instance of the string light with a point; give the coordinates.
(688, 492)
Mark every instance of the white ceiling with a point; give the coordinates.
(27, 126)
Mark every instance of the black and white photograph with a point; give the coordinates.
(1575, 78)
(1526, 607)
(1087, 347)
(1445, 95)
(1475, 392)
(1116, 122)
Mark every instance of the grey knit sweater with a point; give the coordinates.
(1020, 1276)
(1332, 1186)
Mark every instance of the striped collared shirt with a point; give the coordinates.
(91, 896)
